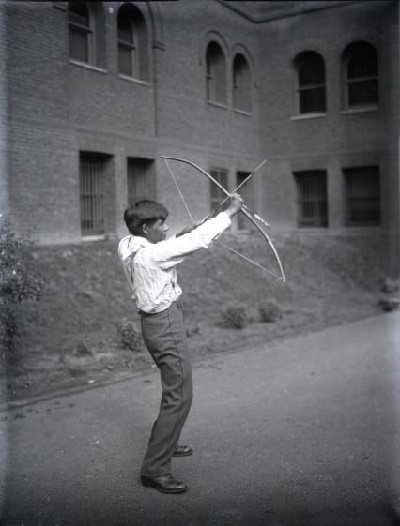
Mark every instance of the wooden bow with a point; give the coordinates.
(251, 216)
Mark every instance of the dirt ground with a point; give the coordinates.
(70, 337)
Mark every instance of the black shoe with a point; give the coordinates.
(183, 451)
(164, 483)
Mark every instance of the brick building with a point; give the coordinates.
(94, 94)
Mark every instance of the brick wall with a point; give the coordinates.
(337, 139)
(57, 109)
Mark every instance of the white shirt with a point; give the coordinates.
(151, 267)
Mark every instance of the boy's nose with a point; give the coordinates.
(166, 228)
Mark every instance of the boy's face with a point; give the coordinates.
(156, 232)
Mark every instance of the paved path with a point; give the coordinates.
(301, 432)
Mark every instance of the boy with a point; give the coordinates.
(149, 262)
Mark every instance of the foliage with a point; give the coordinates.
(194, 330)
(269, 311)
(18, 280)
(235, 316)
(390, 285)
(129, 336)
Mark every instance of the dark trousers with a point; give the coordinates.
(165, 338)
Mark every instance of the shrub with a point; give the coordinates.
(269, 311)
(18, 280)
(390, 285)
(235, 316)
(129, 336)
(194, 330)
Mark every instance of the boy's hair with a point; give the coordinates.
(143, 212)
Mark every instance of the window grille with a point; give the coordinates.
(361, 75)
(311, 90)
(80, 33)
(138, 180)
(92, 168)
(216, 74)
(242, 92)
(312, 198)
(362, 196)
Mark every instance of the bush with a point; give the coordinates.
(18, 281)
(269, 311)
(235, 316)
(194, 330)
(129, 336)
(390, 286)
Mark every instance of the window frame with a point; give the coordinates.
(91, 193)
(319, 204)
(215, 77)
(362, 171)
(307, 88)
(349, 53)
(98, 189)
(143, 168)
(238, 90)
(138, 46)
(90, 35)
(248, 193)
(222, 176)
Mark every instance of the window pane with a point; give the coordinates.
(362, 197)
(216, 73)
(313, 199)
(363, 92)
(311, 71)
(125, 31)
(217, 195)
(78, 13)
(312, 100)
(242, 93)
(247, 193)
(362, 65)
(125, 61)
(78, 44)
(137, 180)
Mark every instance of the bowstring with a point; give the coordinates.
(230, 249)
(179, 190)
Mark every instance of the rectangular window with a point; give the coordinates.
(247, 193)
(216, 194)
(139, 180)
(362, 196)
(96, 193)
(312, 198)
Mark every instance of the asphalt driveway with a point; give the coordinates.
(299, 432)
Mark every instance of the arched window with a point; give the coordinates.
(310, 78)
(133, 59)
(216, 73)
(81, 37)
(242, 88)
(360, 67)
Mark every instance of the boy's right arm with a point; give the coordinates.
(169, 253)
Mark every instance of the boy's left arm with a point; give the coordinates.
(172, 251)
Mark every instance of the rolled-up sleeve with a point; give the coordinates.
(171, 252)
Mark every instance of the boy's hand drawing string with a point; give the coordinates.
(251, 216)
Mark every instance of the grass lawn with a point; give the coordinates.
(70, 336)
